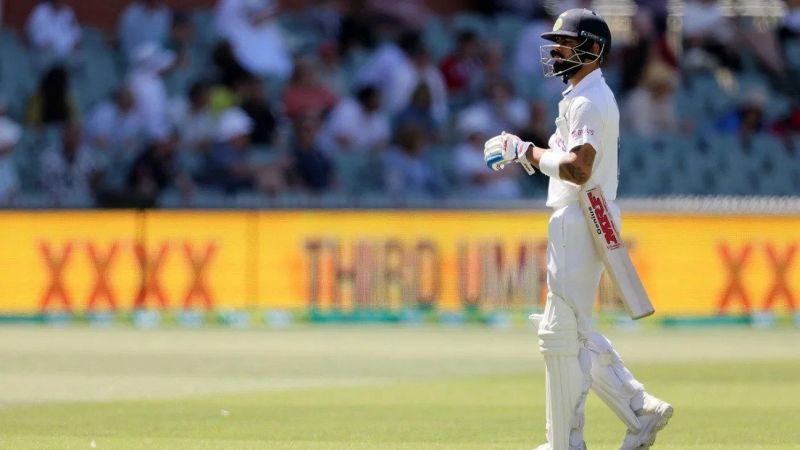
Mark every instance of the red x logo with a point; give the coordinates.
(780, 266)
(150, 268)
(198, 263)
(55, 264)
(735, 264)
(102, 265)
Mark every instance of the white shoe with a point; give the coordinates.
(654, 417)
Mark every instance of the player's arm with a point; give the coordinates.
(574, 167)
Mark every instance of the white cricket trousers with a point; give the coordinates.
(577, 358)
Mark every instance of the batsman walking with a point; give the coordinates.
(582, 154)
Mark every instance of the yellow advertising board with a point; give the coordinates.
(197, 260)
(65, 261)
(385, 260)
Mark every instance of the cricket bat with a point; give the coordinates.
(611, 248)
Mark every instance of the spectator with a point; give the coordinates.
(787, 127)
(706, 31)
(228, 73)
(397, 69)
(504, 111)
(52, 29)
(144, 21)
(310, 169)
(304, 95)
(192, 119)
(113, 127)
(146, 83)
(356, 125)
(788, 124)
(188, 63)
(539, 127)
(228, 164)
(325, 16)
(527, 68)
(645, 48)
(649, 110)
(418, 112)
(462, 68)
(254, 103)
(477, 180)
(406, 171)
(69, 171)
(789, 27)
(357, 31)
(526, 51)
(330, 71)
(254, 35)
(747, 118)
(657, 12)
(494, 64)
(181, 36)
(10, 134)
(155, 170)
(53, 104)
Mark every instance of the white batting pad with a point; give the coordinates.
(567, 379)
(613, 382)
(566, 395)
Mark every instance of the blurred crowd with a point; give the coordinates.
(358, 97)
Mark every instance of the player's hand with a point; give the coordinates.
(503, 149)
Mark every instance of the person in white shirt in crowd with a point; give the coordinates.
(114, 127)
(502, 109)
(145, 81)
(192, 118)
(397, 69)
(254, 35)
(10, 133)
(706, 31)
(53, 29)
(477, 182)
(70, 173)
(357, 124)
(649, 109)
(144, 21)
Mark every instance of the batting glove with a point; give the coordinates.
(506, 148)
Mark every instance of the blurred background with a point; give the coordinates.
(325, 157)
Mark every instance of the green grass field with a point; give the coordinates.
(372, 388)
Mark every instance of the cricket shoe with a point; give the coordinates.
(654, 416)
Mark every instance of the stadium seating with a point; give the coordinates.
(700, 161)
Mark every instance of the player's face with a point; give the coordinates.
(563, 53)
(564, 47)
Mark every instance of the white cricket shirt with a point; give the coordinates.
(588, 113)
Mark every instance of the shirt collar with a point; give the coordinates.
(593, 77)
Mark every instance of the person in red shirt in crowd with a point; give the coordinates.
(304, 95)
(462, 67)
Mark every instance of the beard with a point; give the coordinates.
(566, 68)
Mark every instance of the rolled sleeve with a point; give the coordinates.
(585, 126)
